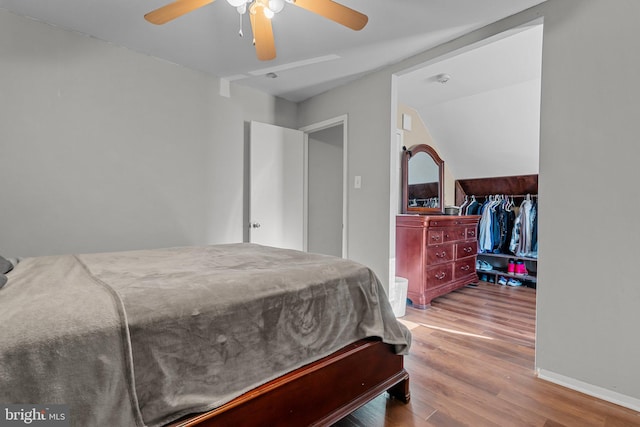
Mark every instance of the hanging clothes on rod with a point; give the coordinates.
(503, 230)
(472, 207)
(524, 241)
(463, 206)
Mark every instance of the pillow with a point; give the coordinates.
(5, 265)
(3, 280)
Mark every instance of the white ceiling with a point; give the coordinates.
(207, 39)
(512, 58)
(485, 119)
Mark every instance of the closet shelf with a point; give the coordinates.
(526, 277)
(499, 267)
(508, 256)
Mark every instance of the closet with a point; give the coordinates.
(507, 230)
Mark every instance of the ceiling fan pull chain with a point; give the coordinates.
(240, 31)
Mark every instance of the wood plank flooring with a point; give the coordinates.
(472, 364)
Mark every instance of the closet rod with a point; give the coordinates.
(521, 195)
(502, 194)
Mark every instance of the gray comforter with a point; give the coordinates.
(144, 337)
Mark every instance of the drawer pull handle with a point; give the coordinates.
(435, 237)
(440, 275)
(472, 233)
(462, 233)
(465, 268)
(440, 254)
(467, 249)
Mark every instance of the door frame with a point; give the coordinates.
(336, 121)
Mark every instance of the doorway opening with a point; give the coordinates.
(325, 187)
(479, 108)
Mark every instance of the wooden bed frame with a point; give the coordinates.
(318, 394)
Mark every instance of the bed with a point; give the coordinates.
(236, 334)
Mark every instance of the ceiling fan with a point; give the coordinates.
(260, 14)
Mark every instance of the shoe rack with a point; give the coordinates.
(500, 263)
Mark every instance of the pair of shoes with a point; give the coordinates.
(514, 282)
(502, 280)
(483, 265)
(511, 269)
(520, 269)
(484, 278)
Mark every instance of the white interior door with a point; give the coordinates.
(276, 191)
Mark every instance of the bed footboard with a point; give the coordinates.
(318, 394)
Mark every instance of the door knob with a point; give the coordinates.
(254, 225)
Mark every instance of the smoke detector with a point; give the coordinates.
(443, 78)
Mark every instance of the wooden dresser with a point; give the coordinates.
(436, 253)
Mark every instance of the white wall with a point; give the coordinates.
(419, 134)
(106, 149)
(494, 133)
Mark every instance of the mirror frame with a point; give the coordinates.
(406, 155)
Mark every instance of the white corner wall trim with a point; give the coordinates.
(590, 389)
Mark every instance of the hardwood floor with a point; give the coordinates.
(472, 364)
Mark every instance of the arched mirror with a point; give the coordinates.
(422, 180)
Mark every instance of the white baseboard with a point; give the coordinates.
(590, 389)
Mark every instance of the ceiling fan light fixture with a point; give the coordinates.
(261, 22)
(276, 6)
(237, 3)
(268, 12)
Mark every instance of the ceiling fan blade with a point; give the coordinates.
(174, 10)
(262, 34)
(336, 12)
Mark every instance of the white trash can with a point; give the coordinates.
(398, 296)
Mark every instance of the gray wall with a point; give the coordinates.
(368, 105)
(103, 149)
(325, 191)
(589, 297)
(588, 306)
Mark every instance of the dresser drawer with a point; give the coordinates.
(439, 275)
(454, 234)
(442, 222)
(464, 268)
(437, 254)
(472, 233)
(435, 237)
(466, 249)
